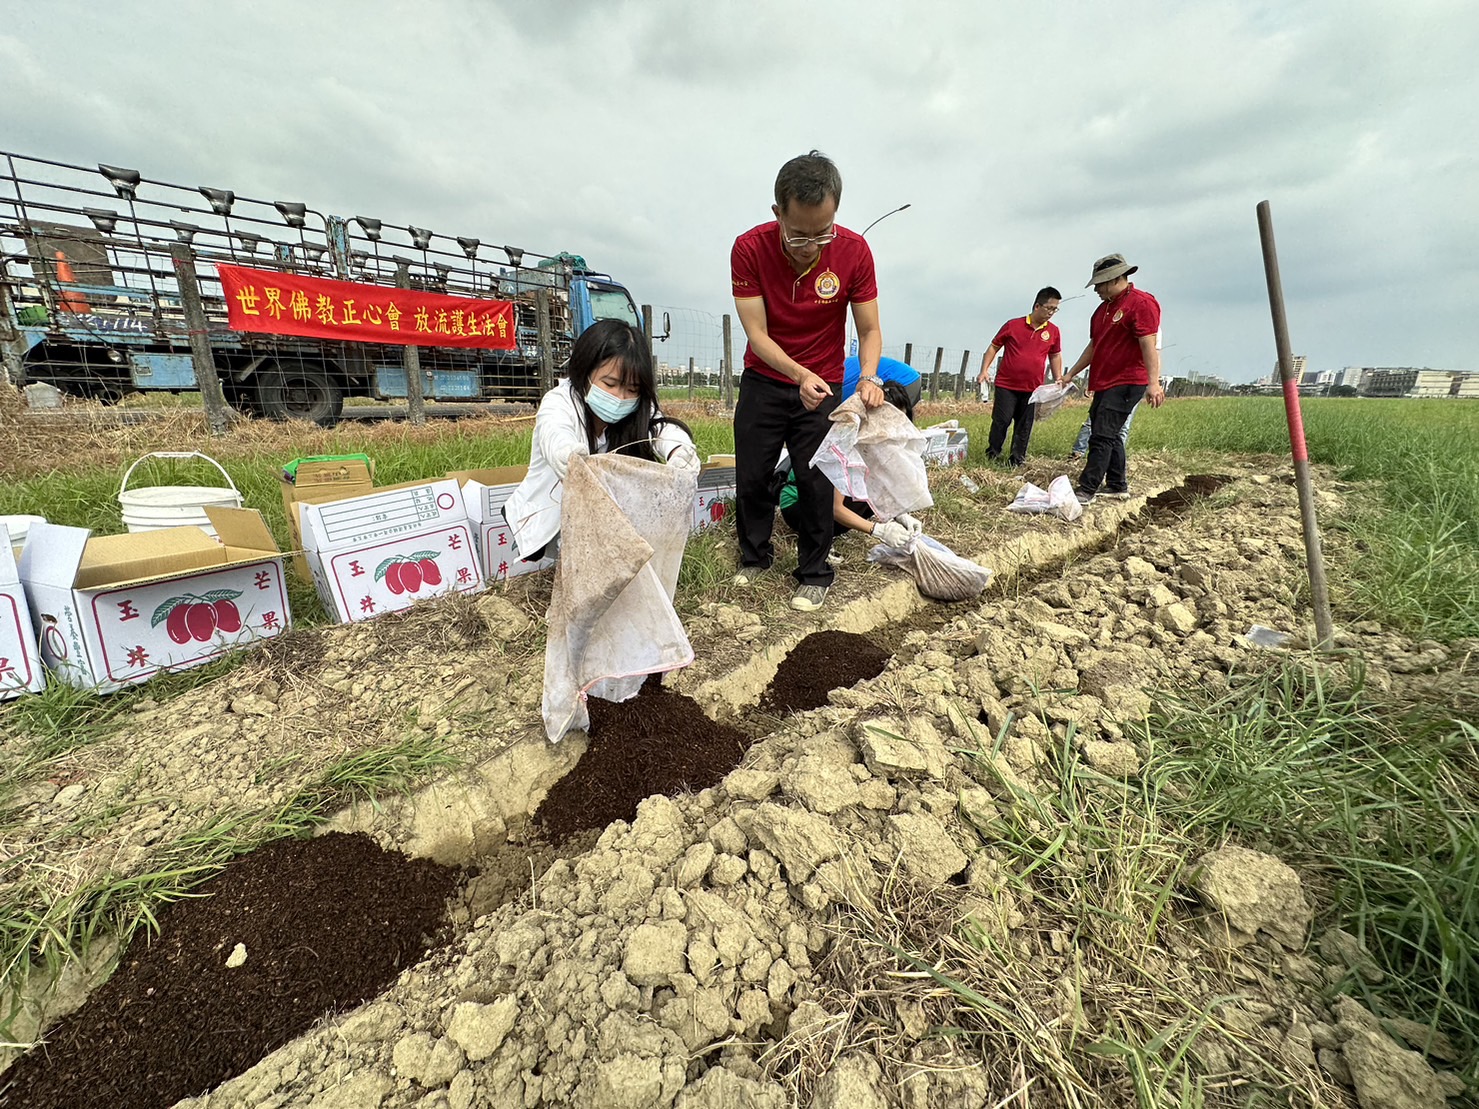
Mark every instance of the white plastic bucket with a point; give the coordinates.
(173, 506)
(18, 526)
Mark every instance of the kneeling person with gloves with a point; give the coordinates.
(846, 512)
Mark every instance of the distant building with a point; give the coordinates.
(1298, 363)
(1409, 381)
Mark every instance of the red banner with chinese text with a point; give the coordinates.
(276, 303)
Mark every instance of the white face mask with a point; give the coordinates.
(608, 408)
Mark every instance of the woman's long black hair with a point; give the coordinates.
(597, 345)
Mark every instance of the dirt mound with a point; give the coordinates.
(820, 663)
(659, 742)
(1194, 488)
(325, 924)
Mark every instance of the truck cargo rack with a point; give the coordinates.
(89, 300)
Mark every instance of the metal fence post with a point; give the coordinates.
(647, 324)
(1313, 554)
(728, 363)
(217, 412)
(546, 343)
(690, 376)
(935, 377)
(415, 397)
(960, 379)
(909, 354)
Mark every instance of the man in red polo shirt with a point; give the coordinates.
(1028, 344)
(793, 280)
(1126, 367)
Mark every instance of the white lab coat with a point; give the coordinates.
(533, 511)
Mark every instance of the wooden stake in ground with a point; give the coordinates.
(728, 363)
(217, 411)
(415, 396)
(1314, 556)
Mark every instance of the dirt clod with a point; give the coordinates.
(328, 923)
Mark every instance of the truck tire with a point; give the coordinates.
(299, 391)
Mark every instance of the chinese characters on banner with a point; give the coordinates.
(289, 304)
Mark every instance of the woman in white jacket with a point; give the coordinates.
(608, 403)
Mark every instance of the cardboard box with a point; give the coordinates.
(113, 610)
(716, 489)
(318, 481)
(20, 659)
(484, 493)
(946, 444)
(386, 550)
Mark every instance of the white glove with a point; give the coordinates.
(914, 526)
(891, 533)
(560, 463)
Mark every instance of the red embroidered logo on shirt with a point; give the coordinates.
(827, 285)
(1043, 335)
(1118, 316)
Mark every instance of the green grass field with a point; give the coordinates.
(1418, 533)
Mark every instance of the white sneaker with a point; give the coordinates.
(809, 598)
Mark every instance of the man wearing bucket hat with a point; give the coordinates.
(1126, 366)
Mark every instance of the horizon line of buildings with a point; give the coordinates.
(1381, 381)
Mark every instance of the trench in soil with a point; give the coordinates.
(252, 959)
(174, 1020)
(326, 924)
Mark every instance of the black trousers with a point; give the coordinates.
(769, 415)
(1010, 407)
(1106, 462)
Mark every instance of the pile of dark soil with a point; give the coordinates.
(658, 742)
(327, 923)
(820, 663)
(1179, 498)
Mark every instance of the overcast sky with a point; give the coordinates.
(1028, 138)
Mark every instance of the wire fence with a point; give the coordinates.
(689, 349)
(691, 352)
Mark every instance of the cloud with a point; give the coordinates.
(646, 135)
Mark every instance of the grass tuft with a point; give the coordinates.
(1378, 801)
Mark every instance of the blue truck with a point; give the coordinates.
(90, 302)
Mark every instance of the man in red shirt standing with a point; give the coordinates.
(1126, 367)
(1028, 342)
(793, 280)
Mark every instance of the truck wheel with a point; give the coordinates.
(297, 391)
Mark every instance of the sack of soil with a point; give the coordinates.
(939, 573)
(1049, 397)
(875, 455)
(623, 525)
(1058, 498)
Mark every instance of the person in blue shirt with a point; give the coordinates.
(889, 369)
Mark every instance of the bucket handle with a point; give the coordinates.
(177, 454)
